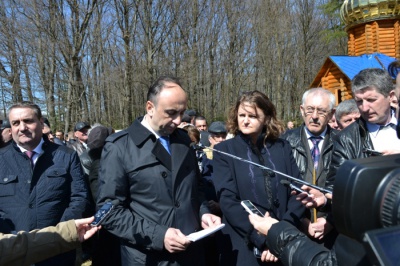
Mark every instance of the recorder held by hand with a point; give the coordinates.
(102, 213)
(250, 208)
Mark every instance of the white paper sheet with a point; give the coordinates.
(203, 233)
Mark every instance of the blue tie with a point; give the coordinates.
(165, 142)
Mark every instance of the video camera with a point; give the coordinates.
(366, 205)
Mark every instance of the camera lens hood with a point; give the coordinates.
(389, 191)
(366, 195)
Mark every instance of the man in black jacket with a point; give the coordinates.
(376, 128)
(153, 172)
(316, 110)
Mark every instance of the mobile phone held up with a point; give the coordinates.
(102, 213)
(293, 187)
(250, 208)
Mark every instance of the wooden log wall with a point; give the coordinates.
(382, 36)
(386, 38)
(369, 39)
(345, 90)
(351, 48)
(337, 83)
(397, 39)
(359, 41)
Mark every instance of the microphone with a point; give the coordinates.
(300, 181)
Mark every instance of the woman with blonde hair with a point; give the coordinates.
(256, 128)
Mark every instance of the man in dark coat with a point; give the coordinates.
(375, 129)
(151, 170)
(316, 110)
(106, 250)
(41, 183)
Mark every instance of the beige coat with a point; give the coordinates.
(26, 248)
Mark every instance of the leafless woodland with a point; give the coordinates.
(93, 60)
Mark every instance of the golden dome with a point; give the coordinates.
(354, 12)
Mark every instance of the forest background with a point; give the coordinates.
(93, 60)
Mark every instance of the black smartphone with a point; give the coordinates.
(371, 152)
(256, 252)
(250, 208)
(102, 213)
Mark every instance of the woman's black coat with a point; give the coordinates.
(236, 180)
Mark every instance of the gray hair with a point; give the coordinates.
(321, 92)
(346, 107)
(373, 78)
(26, 104)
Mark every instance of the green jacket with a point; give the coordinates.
(26, 248)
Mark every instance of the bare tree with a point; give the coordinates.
(70, 37)
(93, 60)
(10, 65)
(126, 20)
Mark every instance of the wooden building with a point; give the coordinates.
(373, 28)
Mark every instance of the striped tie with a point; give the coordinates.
(30, 155)
(315, 153)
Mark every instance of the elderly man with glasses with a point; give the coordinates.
(312, 148)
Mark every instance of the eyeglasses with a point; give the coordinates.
(311, 110)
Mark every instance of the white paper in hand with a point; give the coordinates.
(203, 233)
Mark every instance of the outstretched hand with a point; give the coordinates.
(314, 198)
(262, 224)
(388, 152)
(85, 231)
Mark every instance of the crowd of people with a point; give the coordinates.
(170, 174)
